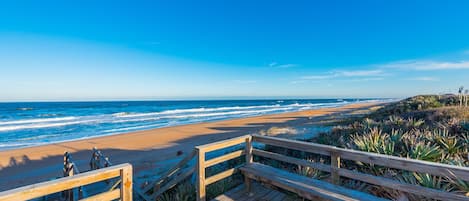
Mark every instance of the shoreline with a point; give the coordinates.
(143, 149)
(133, 119)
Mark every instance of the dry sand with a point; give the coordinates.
(143, 149)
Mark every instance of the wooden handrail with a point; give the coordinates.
(438, 169)
(201, 180)
(296, 161)
(96, 157)
(224, 158)
(49, 187)
(336, 171)
(222, 144)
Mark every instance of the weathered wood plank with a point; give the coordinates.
(110, 195)
(335, 165)
(223, 144)
(221, 175)
(437, 169)
(200, 183)
(273, 195)
(224, 158)
(248, 149)
(291, 160)
(234, 194)
(259, 193)
(294, 144)
(249, 160)
(58, 185)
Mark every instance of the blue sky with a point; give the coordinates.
(106, 50)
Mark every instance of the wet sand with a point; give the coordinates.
(143, 149)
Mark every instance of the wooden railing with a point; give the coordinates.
(169, 179)
(98, 160)
(336, 154)
(124, 193)
(202, 163)
(69, 170)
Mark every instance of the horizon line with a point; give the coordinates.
(192, 99)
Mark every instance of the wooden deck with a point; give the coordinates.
(259, 193)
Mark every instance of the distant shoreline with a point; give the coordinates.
(143, 148)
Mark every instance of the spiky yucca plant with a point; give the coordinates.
(374, 141)
(426, 152)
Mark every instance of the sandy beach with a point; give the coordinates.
(144, 149)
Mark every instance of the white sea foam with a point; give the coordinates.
(48, 125)
(206, 110)
(193, 110)
(135, 120)
(8, 145)
(40, 120)
(131, 128)
(226, 113)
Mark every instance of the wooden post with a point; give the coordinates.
(68, 172)
(335, 164)
(94, 159)
(249, 160)
(126, 183)
(200, 179)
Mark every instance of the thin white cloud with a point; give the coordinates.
(370, 74)
(422, 65)
(286, 65)
(277, 65)
(430, 79)
(317, 77)
(377, 72)
(360, 73)
(366, 79)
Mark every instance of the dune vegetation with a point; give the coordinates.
(430, 128)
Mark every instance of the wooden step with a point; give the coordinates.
(303, 186)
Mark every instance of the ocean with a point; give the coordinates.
(37, 123)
